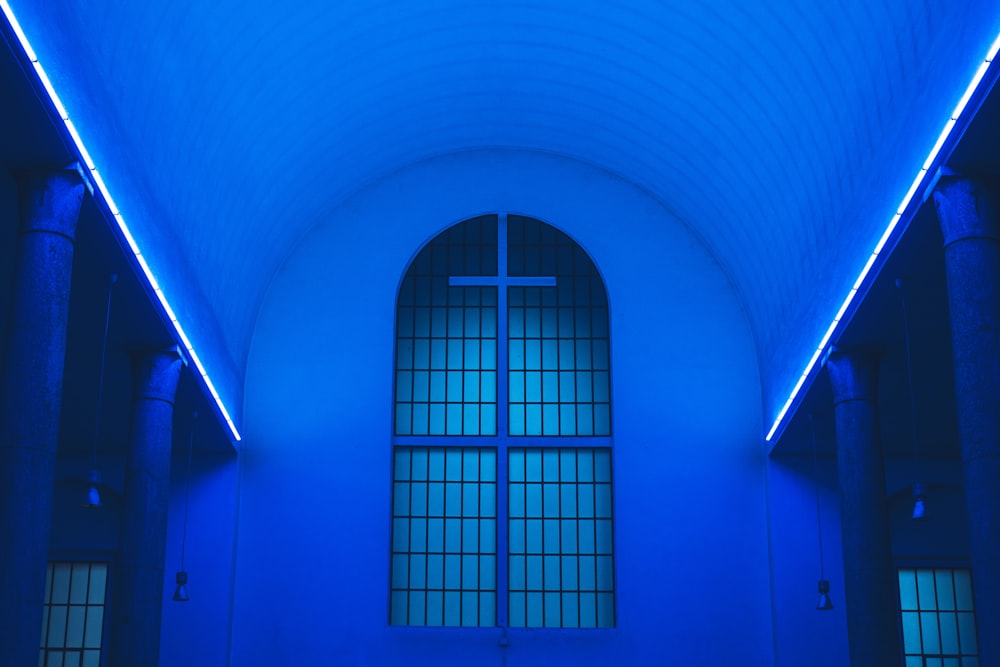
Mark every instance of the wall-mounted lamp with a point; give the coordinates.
(93, 499)
(181, 592)
(824, 603)
(919, 490)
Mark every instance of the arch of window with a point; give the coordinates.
(502, 502)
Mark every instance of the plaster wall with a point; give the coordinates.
(690, 523)
(803, 635)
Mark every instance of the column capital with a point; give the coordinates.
(965, 209)
(50, 201)
(155, 373)
(854, 373)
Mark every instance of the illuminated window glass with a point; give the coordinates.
(558, 335)
(938, 618)
(561, 567)
(446, 336)
(502, 449)
(444, 536)
(73, 616)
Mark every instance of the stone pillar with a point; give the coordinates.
(31, 403)
(869, 575)
(968, 218)
(138, 581)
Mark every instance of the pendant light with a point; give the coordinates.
(919, 491)
(181, 593)
(823, 603)
(93, 499)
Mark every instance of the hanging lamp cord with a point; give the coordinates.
(909, 366)
(819, 516)
(187, 489)
(113, 278)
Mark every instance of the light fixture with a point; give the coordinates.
(919, 491)
(924, 177)
(824, 603)
(181, 593)
(96, 180)
(93, 499)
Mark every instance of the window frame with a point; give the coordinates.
(935, 565)
(104, 557)
(502, 442)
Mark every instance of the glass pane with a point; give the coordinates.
(911, 632)
(79, 583)
(535, 569)
(400, 570)
(516, 609)
(570, 579)
(948, 623)
(552, 610)
(435, 608)
(963, 590)
(605, 610)
(926, 597)
(75, 626)
(398, 608)
(967, 632)
(417, 608)
(452, 608)
(487, 609)
(419, 464)
(60, 583)
(929, 632)
(907, 589)
(435, 571)
(57, 626)
(534, 601)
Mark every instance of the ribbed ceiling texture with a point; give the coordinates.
(783, 134)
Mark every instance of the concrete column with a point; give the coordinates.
(138, 581)
(968, 218)
(869, 575)
(31, 402)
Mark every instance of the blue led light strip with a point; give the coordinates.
(95, 176)
(918, 182)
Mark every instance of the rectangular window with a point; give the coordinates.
(938, 619)
(73, 616)
(444, 537)
(561, 563)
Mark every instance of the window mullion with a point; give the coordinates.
(502, 424)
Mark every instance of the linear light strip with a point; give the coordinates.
(101, 187)
(915, 187)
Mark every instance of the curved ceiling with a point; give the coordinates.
(783, 134)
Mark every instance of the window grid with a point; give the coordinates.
(73, 614)
(560, 562)
(938, 618)
(444, 537)
(549, 294)
(446, 337)
(559, 359)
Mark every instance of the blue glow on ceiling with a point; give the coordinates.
(92, 174)
(919, 182)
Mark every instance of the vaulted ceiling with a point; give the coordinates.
(784, 134)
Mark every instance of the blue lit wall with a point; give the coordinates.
(802, 635)
(691, 539)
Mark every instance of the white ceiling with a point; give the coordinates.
(783, 134)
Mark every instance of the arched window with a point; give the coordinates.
(502, 504)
